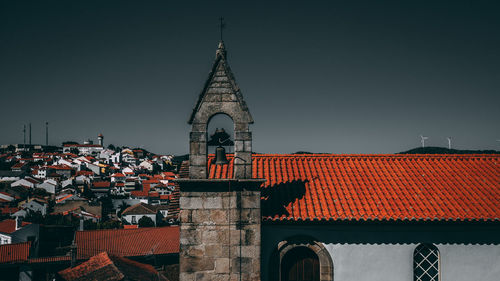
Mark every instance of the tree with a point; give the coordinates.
(122, 208)
(111, 147)
(146, 222)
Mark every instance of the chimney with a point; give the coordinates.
(18, 222)
(81, 225)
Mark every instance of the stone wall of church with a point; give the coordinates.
(220, 235)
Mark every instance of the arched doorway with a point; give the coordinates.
(300, 264)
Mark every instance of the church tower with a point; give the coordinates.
(220, 219)
(220, 95)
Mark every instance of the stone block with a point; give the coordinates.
(218, 216)
(213, 95)
(244, 136)
(196, 264)
(247, 146)
(210, 237)
(216, 250)
(190, 203)
(228, 97)
(228, 201)
(245, 263)
(222, 265)
(212, 203)
(190, 238)
(250, 201)
(197, 160)
(238, 145)
(187, 276)
(197, 172)
(196, 251)
(185, 216)
(201, 216)
(241, 127)
(198, 136)
(194, 147)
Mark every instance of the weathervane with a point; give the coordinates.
(221, 25)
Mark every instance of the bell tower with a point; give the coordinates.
(220, 95)
(220, 219)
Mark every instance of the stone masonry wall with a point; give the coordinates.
(220, 235)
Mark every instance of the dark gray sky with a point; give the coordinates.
(330, 76)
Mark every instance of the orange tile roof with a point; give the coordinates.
(9, 226)
(14, 252)
(130, 226)
(128, 242)
(375, 187)
(100, 262)
(101, 184)
(50, 259)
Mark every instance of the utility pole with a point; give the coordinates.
(30, 134)
(24, 133)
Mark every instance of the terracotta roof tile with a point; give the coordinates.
(375, 187)
(98, 267)
(9, 226)
(14, 252)
(128, 242)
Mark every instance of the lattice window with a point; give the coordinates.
(426, 263)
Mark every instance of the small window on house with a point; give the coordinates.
(426, 263)
(133, 219)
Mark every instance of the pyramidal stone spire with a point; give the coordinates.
(221, 95)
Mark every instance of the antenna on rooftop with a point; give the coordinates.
(30, 134)
(422, 140)
(449, 142)
(46, 133)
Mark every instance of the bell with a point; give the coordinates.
(220, 156)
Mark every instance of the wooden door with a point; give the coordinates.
(300, 264)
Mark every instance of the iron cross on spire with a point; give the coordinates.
(221, 25)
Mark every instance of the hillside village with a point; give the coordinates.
(50, 195)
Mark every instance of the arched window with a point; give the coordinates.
(426, 263)
(300, 264)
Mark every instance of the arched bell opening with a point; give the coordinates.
(220, 137)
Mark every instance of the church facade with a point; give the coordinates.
(330, 217)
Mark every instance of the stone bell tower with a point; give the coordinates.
(220, 219)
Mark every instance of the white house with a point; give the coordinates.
(6, 196)
(26, 182)
(134, 213)
(49, 185)
(35, 205)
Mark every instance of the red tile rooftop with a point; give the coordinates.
(11, 253)
(9, 226)
(101, 184)
(128, 242)
(375, 187)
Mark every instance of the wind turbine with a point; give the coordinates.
(449, 142)
(422, 140)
